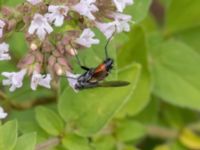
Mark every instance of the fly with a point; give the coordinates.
(94, 77)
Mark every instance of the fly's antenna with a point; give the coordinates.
(107, 43)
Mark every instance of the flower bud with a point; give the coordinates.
(6, 11)
(58, 69)
(33, 46)
(52, 60)
(62, 61)
(72, 51)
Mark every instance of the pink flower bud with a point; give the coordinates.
(39, 57)
(52, 60)
(33, 46)
(62, 61)
(58, 69)
(56, 54)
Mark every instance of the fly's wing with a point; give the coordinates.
(105, 84)
(113, 84)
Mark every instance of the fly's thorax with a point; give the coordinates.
(109, 64)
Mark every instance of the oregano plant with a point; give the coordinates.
(99, 74)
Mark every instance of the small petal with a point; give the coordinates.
(122, 22)
(106, 28)
(34, 2)
(86, 38)
(2, 25)
(56, 14)
(42, 80)
(119, 24)
(86, 8)
(121, 4)
(40, 25)
(1, 33)
(41, 33)
(72, 79)
(59, 21)
(4, 48)
(15, 79)
(45, 82)
(2, 113)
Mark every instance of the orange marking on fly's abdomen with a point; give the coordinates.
(100, 68)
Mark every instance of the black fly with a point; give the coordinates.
(94, 77)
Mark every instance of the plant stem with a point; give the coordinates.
(158, 11)
(50, 143)
(30, 104)
(2, 96)
(26, 105)
(162, 133)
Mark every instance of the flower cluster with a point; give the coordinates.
(50, 39)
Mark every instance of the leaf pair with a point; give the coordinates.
(9, 139)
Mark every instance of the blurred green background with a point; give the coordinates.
(159, 110)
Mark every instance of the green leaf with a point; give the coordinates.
(177, 117)
(90, 110)
(139, 9)
(28, 124)
(8, 135)
(135, 50)
(150, 114)
(175, 70)
(105, 143)
(75, 142)
(13, 2)
(125, 126)
(18, 45)
(49, 121)
(129, 147)
(190, 37)
(189, 139)
(166, 3)
(175, 145)
(162, 147)
(182, 14)
(26, 142)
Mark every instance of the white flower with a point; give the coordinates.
(2, 113)
(86, 8)
(119, 24)
(34, 2)
(40, 25)
(107, 28)
(86, 38)
(2, 25)
(42, 80)
(72, 79)
(14, 79)
(121, 4)
(56, 14)
(4, 48)
(122, 22)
